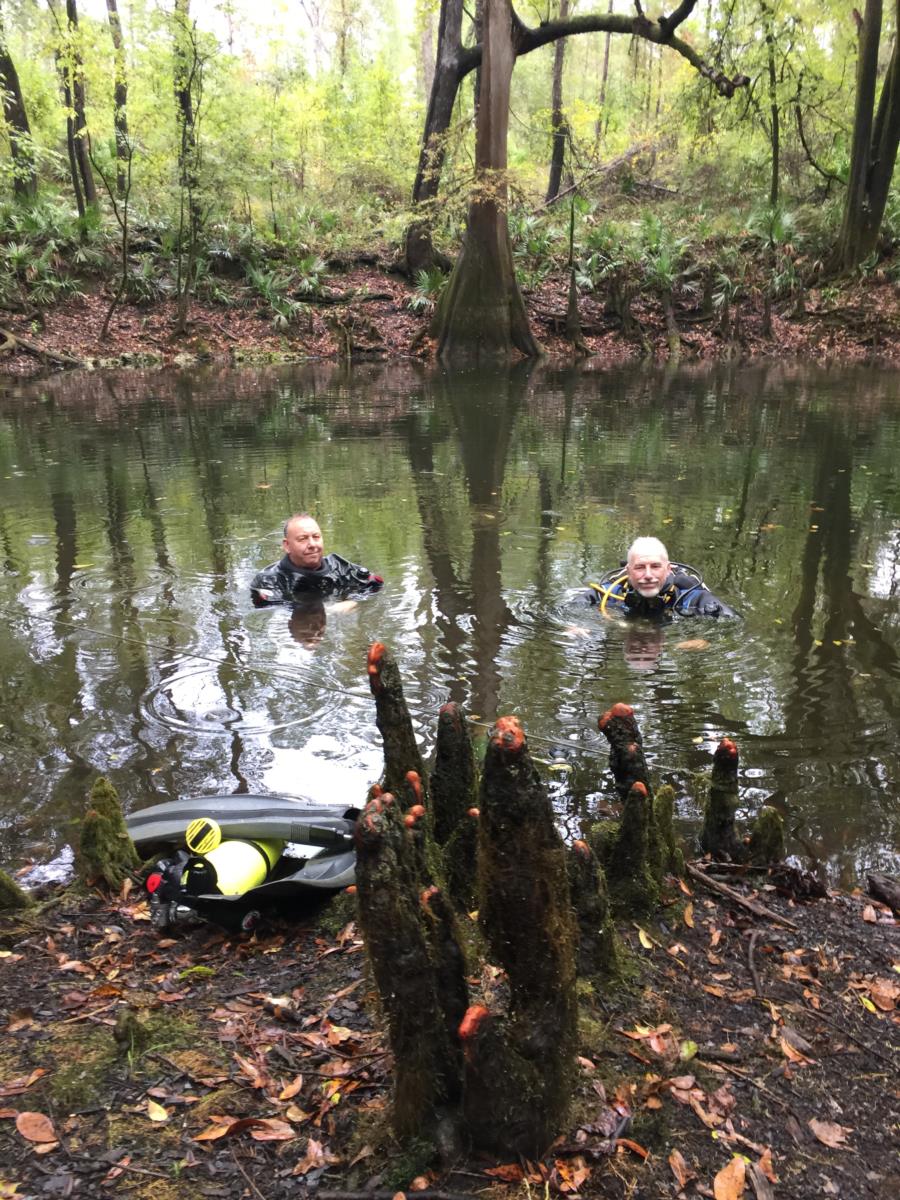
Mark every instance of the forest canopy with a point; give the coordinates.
(202, 129)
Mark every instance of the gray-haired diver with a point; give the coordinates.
(649, 585)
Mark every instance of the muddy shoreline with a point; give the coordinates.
(364, 314)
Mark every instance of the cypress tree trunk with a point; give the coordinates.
(481, 317)
(775, 133)
(557, 120)
(419, 252)
(873, 149)
(75, 68)
(120, 100)
(16, 117)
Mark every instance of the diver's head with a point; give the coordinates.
(303, 541)
(647, 565)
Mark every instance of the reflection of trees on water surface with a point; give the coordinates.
(483, 500)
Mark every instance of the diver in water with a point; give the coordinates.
(651, 586)
(307, 570)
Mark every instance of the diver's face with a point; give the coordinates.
(303, 543)
(647, 573)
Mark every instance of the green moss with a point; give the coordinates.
(767, 837)
(106, 853)
(12, 897)
(633, 886)
(671, 854)
(84, 1065)
(601, 837)
(197, 972)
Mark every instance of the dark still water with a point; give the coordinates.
(134, 511)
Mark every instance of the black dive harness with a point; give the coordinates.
(682, 589)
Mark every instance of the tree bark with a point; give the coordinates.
(419, 252)
(873, 154)
(120, 100)
(775, 132)
(558, 121)
(16, 117)
(604, 77)
(481, 317)
(75, 67)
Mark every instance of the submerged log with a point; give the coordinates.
(106, 854)
(718, 836)
(401, 750)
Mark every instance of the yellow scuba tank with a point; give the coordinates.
(229, 868)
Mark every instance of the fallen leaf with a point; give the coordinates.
(35, 1127)
(156, 1112)
(634, 1147)
(869, 914)
(508, 1172)
(682, 1172)
(829, 1133)
(729, 1183)
(271, 1129)
(689, 916)
(644, 939)
(288, 1093)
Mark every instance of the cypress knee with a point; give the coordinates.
(672, 856)
(527, 919)
(106, 853)
(632, 879)
(454, 784)
(427, 1067)
(401, 751)
(590, 900)
(626, 748)
(719, 835)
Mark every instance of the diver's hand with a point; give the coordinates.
(342, 606)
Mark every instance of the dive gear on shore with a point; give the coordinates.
(271, 849)
(683, 591)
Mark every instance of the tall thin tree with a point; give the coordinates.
(24, 172)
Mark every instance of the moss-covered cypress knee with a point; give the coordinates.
(767, 838)
(12, 897)
(401, 751)
(590, 900)
(719, 835)
(454, 782)
(427, 1059)
(460, 859)
(633, 882)
(672, 856)
(626, 748)
(528, 922)
(106, 853)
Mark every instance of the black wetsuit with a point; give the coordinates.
(284, 583)
(682, 592)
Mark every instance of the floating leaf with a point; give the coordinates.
(35, 1127)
